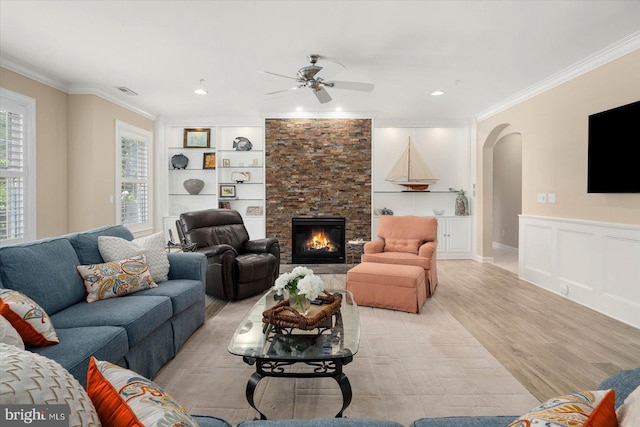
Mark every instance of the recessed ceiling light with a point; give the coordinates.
(437, 93)
(201, 90)
(298, 108)
(338, 109)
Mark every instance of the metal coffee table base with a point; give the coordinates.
(320, 369)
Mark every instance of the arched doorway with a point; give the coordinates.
(501, 190)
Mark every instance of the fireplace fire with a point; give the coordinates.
(318, 240)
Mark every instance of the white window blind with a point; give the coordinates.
(134, 183)
(17, 189)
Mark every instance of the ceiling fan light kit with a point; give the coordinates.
(318, 78)
(201, 90)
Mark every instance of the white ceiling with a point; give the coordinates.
(482, 53)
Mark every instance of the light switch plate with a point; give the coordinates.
(542, 197)
(552, 197)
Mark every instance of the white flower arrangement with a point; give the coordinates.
(301, 281)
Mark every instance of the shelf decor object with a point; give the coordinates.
(411, 171)
(197, 138)
(241, 177)
(254, 211)
(209, 161)
(226, 163)
(193, 186)
(242, 144)
(179, 161)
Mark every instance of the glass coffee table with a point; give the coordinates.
(274, 350)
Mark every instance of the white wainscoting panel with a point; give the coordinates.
(594, 264)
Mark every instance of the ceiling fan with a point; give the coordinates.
(318, 79)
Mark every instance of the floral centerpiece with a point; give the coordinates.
(301, 285)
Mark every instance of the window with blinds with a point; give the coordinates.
(16, 222)
(134, 173)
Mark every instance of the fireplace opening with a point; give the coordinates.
(318, 240)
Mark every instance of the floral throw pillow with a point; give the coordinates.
(585, 409)
(116, 278)
(28, 318)
(125, 398)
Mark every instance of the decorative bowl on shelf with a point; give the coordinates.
(193, 186)
(438, 211)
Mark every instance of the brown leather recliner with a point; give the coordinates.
(237, 267)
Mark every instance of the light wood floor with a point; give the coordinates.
(550, 344)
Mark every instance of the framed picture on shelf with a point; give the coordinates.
(197, 138)
(209, 161)
(226, 163)
(228, 191)
(224, 205)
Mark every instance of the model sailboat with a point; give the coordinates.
(411, 171)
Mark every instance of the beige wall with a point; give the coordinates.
(51, 151)
(75, 155)
(92, 135)
(554, 148)
(507, 189)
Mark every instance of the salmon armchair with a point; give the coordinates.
(406, 240)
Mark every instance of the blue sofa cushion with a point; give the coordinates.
(77, 345)
(484, 421)
(207, 421)
(321, 422)
(139, 316)
(624, 382)
(86, 243)
(183, 293)
(45, 271)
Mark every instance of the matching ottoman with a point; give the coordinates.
(394, 286)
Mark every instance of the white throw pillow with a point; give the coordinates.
(28, 378)
(153, 246)
(9, 335)
(629, 411)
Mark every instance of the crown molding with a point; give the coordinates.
(50, 80)
(17, 66)
(106, 94)
(602, 57)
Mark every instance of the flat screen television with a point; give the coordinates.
(614, 138)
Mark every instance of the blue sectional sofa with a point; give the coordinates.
(140, 331)
(624, 382)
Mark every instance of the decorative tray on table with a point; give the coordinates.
(283, 315)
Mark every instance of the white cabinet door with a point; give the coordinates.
(459, 235)
(454, 237)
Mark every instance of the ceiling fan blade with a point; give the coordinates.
(364, 87)
(283, 90)
(322, 95)
(329, 70)
(279, 75)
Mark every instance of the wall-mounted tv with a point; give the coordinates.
(614, 138)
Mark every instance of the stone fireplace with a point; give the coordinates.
(317, 168)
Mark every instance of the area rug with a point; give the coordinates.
(408, 366)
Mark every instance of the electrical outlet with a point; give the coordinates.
(542, 198)
(552, 197)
